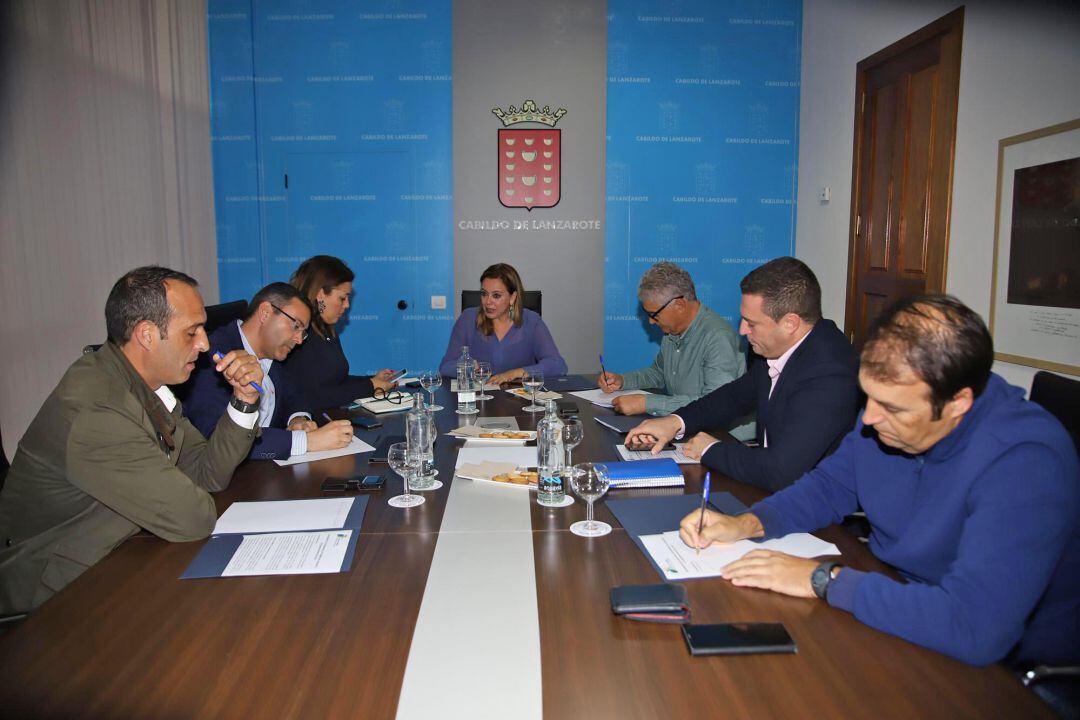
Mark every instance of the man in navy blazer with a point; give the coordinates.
(805, 392)
(276, 322)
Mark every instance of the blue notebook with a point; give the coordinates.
(661, 472)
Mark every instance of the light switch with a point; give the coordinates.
(825, 195)
(438, 302)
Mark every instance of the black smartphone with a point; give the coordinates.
(738, 639)
(382, 452)
(566, 408)
(365, 423)
(335, 484)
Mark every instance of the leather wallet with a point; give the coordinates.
(664, 603)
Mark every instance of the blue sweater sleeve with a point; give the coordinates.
(458, 336)
(1017, 525)
(547, 355)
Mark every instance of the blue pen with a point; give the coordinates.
(217, 358)
(704, 502)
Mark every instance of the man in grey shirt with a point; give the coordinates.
(699, 353)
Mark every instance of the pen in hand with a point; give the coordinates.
(217, 355)
(603, 372)
(701, 519)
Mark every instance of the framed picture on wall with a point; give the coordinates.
(1035, 300)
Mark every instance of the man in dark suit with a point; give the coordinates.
(277, 321)
(805, 392)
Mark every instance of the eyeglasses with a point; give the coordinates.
(297, 325)
(391, 396)
(656, 313)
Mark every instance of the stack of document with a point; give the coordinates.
(680, 562)
(356, 445)
(603, 399)
(287, 537)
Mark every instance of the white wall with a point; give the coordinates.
(1019, 71)
(104, 166)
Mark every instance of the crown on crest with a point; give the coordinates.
(529, 113)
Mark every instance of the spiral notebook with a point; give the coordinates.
(661, 472)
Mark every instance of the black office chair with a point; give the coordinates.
(1058, 687)
(532, 300)
(1061, 396)
(224, 313)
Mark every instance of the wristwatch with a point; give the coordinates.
(822, 576)
(244, 407)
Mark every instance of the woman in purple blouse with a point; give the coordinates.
(502, 332)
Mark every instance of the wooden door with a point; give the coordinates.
(905, 128)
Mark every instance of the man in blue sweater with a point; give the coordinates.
(973, 494)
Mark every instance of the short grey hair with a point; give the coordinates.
(667, 280)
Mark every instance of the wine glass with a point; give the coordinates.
(589, 481)
(404, 464)
(533, 380)
(483, 374)
(431, 381)
(572, 434)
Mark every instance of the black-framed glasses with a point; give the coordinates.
(297, 325)
(656, 313)
(391, 396)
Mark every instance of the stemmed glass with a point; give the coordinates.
(431, 381)
(405, 465)
(590, 482)
(572, 434)
(533, 380)
(483, 374)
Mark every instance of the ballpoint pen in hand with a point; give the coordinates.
(701, 519)
(603, 372)
(218, 355)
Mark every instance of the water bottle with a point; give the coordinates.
(419, 437)
(466, 383)
(550, 458)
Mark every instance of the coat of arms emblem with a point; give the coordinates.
(529, 161)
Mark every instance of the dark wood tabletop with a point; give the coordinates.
(129, 640)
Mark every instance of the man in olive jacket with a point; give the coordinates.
(110, 452)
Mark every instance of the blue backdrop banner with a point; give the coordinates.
(702, 148)
(331, 135)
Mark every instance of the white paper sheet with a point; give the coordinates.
(676, 454)
(603, 399)
(289, 554)
(520, 456)
(356, 445)
(679, 562)
(284, 515)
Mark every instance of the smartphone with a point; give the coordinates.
(365, 423)
(566, 408)
(737, 639)
(382, 452)
(398, 375)
(335, 484)
(372, 482)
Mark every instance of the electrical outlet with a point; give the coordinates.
(438, 302)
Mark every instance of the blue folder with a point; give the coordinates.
(219, 549)
(656, 472)
(655, 515)
(621, 423)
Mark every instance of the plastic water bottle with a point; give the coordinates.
(466, 383)
(550, 458)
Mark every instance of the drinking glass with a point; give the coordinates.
(420, 436)
(533, 380)
(404, 464)
(572, 434)
(483, 374)
(589, 481)
(431, 381)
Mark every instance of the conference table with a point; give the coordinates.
(451, 610)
